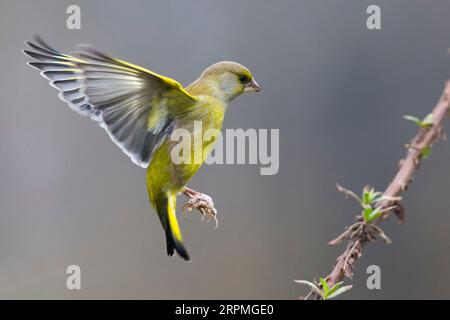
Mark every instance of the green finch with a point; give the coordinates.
(139, 109)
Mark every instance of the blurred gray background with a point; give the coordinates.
(336, 91)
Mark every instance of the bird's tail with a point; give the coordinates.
(166, 207)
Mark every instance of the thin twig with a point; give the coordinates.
(361, 233)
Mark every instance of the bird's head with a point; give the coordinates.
(228, 80)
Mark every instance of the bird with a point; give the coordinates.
(140, 109)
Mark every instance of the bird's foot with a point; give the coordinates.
(203, 203)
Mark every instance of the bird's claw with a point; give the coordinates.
(204, 204)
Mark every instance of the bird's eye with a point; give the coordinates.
(244, 79)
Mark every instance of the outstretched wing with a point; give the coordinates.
(134, 105)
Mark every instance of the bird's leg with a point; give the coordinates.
(202, 202)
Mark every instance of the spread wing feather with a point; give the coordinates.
(134, 105)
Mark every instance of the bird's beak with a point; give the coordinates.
(252, 86)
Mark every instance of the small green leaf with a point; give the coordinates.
(325, 286)
(375, 214)
(413, 119)
(366, 213)
(366, 197)
(339, 291)
(335, 287)
(369, 196)
(425, 153)
(370, 214)
(428, 121)
(376, 196)
(425, 123)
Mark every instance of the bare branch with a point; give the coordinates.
(362, 232)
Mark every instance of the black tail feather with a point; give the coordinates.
(173, 245)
